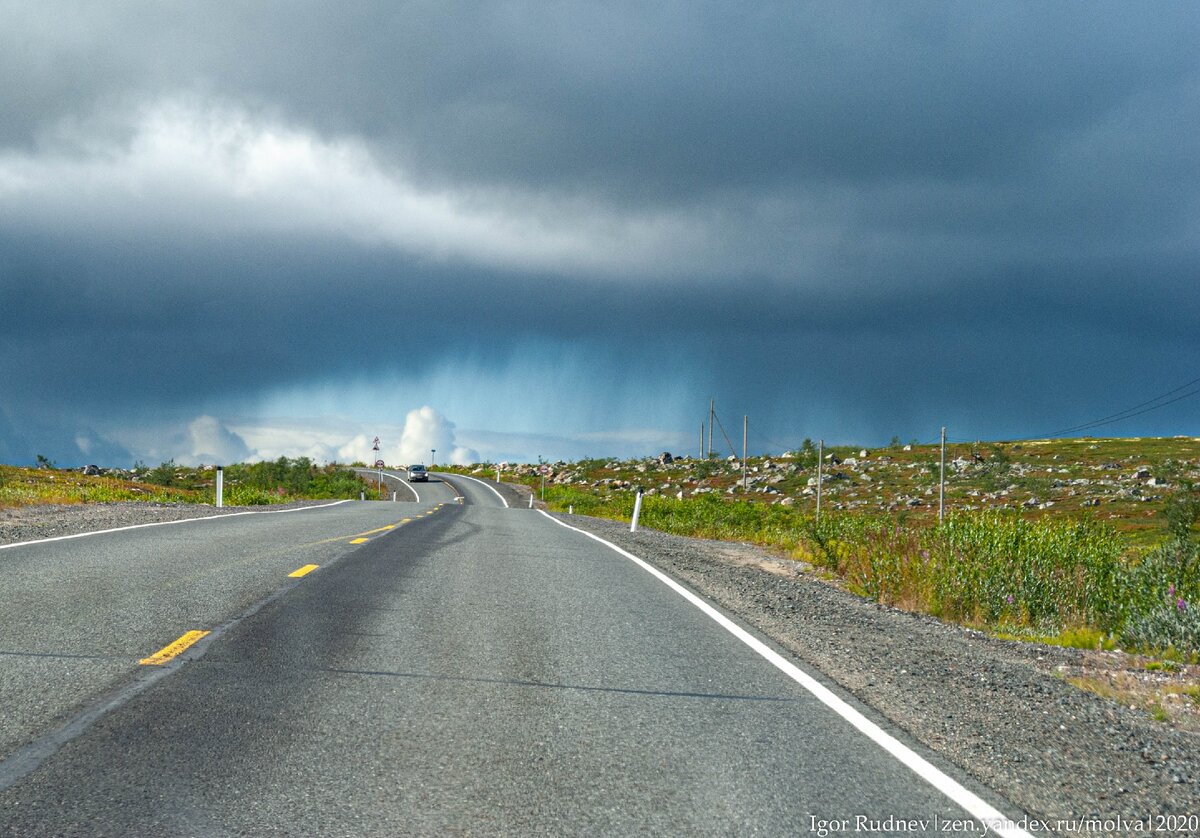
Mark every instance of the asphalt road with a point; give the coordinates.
(472, 670)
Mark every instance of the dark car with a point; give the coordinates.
(417, 473)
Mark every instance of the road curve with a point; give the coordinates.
(475, 670)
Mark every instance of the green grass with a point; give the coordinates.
(246, 484)
(31, 487)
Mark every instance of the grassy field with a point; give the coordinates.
(35, 486)
(246, 484)
(1089, 542)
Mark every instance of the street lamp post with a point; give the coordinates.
(432, 456)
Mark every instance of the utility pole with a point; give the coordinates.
(711, 406)
(702, 440)
(942, 480)
(820, 465)
(745, 460)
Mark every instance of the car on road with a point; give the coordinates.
(417, 473)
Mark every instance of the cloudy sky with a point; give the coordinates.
(510, 230)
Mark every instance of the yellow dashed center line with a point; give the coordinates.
(168, 652)
(303, 571)
(361, 538)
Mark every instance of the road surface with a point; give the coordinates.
(450, 666)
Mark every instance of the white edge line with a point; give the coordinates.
(970, 802)
(405, 482)
(168, 523)
(488, 485)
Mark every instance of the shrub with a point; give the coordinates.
(1181, 511)
(163, 474)
(249, 496)
(1171, 625)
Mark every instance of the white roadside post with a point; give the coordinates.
(637, 510)
(531, 500)
(220, 487)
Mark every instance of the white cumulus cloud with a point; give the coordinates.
(424, 430)
(209, 441)
(343, 440)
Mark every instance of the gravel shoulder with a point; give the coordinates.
(1000, 710)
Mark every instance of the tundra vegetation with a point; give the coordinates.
(1084, 542)
(245, 484)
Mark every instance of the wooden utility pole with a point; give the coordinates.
(745, 459)
(711, 410)
(820, 466)
(942, 480)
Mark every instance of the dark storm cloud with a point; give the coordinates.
(904, 214)
(156, 336)
(627, 95)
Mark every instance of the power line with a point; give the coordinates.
(1159, 401)
(783, 448)
(1130, 412)
(722, 427)
(1135, 413)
